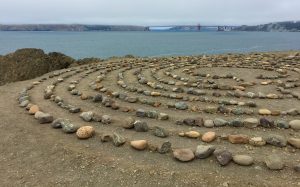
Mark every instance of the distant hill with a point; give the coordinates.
(29, 63)
(287, 26)
(73, 27)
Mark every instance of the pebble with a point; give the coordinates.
(139, 144)
(38, 114)
(257, 141)
(218, 122)
(97, 117)
(295, 124)
(24, 103)
(294, 142)
(68, 127)
(209, 136)
(74, 109)
(140, 126)
(264, 122)
(128, 123)
(183, 155)
(141, 113)
(209, 123)
(274, 162)
(106, 119)
(243, 160)
(236, 123)
(44, 118)
(163, 116)
(160, 132)
(181, 106)
(165, 147)
(189, 121)
(33, 109)
(97, 98)
(59, 122)
(282, 124)
(276, 140)
(204, 151)
(264, 112)
(224, 157)
(87, 116)
(152, 114)
(192, 134)
(251, 122)
(238, 139)
(118, 140)
(85, 132)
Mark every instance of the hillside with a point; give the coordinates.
(287, 26)
(67, 27)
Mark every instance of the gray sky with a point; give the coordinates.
(149, 12)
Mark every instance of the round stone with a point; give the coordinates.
(264, 112)
(140, 126)
(276, 140)
(295, 142)
(44, 118)
(87, 116)
(209, 123)
(218, 122)
(257, 141)
(139, 144)
(33, 109)
(295, 124)
(160, 132)
(59, 122)
(38, 114)
(106, 119)
(128, 122)
(209, 136)
(204, 151)
(68, 127)
(243, 160)
(118, 140)
(274, 162)
(282, 124)
(238, 139)
(165, 147)
(192, 134)
(183, 155)
(181, 106)
(224, 157)
(85, 132)
(251, 122)
(163, 116)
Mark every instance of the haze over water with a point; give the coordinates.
(107, 44)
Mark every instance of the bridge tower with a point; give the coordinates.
(198, 27)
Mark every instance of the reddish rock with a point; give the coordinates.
(238, 139)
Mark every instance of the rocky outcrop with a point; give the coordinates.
(29, 63)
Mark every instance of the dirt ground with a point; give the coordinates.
(33, 154)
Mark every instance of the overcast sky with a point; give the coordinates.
(149, 12)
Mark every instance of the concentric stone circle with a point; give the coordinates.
(212, 106)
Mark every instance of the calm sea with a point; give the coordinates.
(107, 44)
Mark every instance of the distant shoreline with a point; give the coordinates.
(287, 26)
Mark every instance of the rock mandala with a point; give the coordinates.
(190, 108)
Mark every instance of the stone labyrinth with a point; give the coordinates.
(230, 108)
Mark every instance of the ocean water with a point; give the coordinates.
(107, 44)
